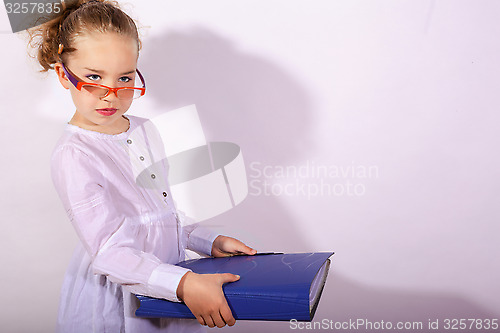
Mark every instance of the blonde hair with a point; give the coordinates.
(55, 39)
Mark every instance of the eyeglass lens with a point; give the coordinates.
(124, 94)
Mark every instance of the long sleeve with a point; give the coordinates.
(196, 237)
(113, 237)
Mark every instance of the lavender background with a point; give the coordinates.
(407, 87)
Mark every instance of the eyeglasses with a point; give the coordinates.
(101, 91)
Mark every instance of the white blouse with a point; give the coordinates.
(115, 191)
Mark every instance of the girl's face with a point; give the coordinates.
(108, 59)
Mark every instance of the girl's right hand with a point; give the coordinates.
(203, 295)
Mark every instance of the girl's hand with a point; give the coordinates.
(203, 295)
(224, 246)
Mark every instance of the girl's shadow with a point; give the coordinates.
(243, 99)
(246, 99)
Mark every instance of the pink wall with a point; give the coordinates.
(405, 91)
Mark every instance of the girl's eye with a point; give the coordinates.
(93, 77)
(125, 79)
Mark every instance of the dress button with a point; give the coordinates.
(153, 176)
(165, 194)
(141, 158)
(129, 141)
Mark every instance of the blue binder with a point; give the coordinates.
(271, 286)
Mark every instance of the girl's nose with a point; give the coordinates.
(110, 96)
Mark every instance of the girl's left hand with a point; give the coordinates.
(224, 246)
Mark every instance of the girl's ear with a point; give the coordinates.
(61, 75)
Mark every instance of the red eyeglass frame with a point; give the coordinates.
(78, 84)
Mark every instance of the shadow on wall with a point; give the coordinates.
(344, 301)
(241, 98)
(34, 225)
(246, 99)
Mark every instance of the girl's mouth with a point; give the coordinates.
(106, 112)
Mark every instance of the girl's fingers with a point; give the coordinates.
(249, 250)
(240, 247)
(209, 321)
(201, 320)
(218, 320)
(227, 315)
(228, 277)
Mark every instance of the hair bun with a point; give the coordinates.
(56, 39)
(75, 4)
(90, 1)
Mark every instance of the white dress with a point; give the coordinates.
(114, 189)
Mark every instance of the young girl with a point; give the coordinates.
(130, 232)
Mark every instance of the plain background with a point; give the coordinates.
(408, 87)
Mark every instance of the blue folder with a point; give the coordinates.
(271, 286)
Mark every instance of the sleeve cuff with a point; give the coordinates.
(201, 240)
(164, 281)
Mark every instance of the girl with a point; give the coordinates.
(130, 232)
